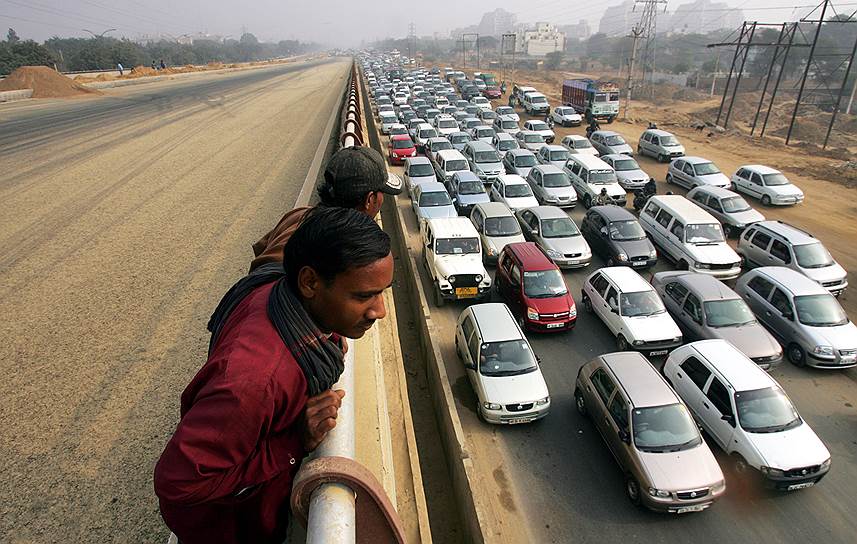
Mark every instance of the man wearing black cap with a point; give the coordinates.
(355, 177)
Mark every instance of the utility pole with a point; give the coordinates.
(649, 26)
(636, 32)
(851, 98)
(806, 72)
(715, 74)
(412, 42)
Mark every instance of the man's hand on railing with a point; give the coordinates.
(320, 417)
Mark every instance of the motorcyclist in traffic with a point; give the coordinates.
(641, 196)
(651, 187)
(602, 198)
(593, 126)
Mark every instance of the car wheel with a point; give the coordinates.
(479, 413)
(580, 403)
(739, 465)
(632, 489)
(669, 179)
(661, 158)
(734, 187)
(438, 297)
(766, 200)
(796, 355)
(587, 303)
(587, 201)
(621, 343)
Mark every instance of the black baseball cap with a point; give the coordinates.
(353, 172)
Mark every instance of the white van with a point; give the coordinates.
(690, 236)
(589, 174)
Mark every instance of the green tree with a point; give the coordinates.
(553, 60)
(23, 53)
(12, 36)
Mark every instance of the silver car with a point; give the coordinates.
(497, 227)
(459, 140)
(507, 124)
(729, 208)
(551, 186)
(484, 160)
(530, 140)
(431, 201)
(608, 142)
(503, 142)
(418, 170)
(628, 172)
(691, 172)
(553, 154)
(508, 110)
(556, 233)
(519, 161)
(659, 144)
(803, 315)
(705, 308)
(577, 144)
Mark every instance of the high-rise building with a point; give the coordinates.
(703, 16)
(576, 32)
(496, 23)
(618, 19)
(539, 39)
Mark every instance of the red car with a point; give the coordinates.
(534, 289)
(401, 147)
(492, 93)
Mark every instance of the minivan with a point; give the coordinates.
(500, 365)
(668, 467)
(803, 315)
(535, 103)
(589, 175)
(747, 413)
(533, 287)
(659, 144)
(551, 186)
(690, 236)
(448, 162)
(774, 243)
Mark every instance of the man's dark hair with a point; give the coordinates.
(332, 240)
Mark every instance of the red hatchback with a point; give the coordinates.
(401, 147)
(533, 287)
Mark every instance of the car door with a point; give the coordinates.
(610, 310)
(662, 233)
(673, 297)
(688, 176)
(599, 234)
(618, 429)
(516, 300)
(691, 316)
(779, 253)
(757, 186)
(496, 189)
(530, 224)
(756, 252)
(781, 315)
(653, 146)
(535, 179)
(676, 238)
(597, 286)
(756, 295)
(599, 394)
(474, 345)
(690, 381)
(719, 413)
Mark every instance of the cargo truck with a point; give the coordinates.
(592, 99)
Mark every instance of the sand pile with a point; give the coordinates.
(45, 82)
(142, 71)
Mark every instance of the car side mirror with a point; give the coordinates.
(788, 315)
(454, 200)
(604, 231)
(728, 418)
(624, 436)
(470, 366)
(534, 231)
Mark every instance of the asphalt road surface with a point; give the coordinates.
(555, 480)
(125, 218)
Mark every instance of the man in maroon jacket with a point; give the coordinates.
(263, 398)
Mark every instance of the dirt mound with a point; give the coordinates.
(142, 71)
(45, 82)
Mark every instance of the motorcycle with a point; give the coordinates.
(641, 196)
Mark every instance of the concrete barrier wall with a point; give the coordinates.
(21, 94)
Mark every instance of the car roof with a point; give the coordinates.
(465, 175)
(707, 287)
(694, 160)
(400, 137)
(548, 212)
(419, 159)
(591, 162)
(629, 280)
(494, 209)
(504, 136)
(615, 156)
(532, 93)
(450, 154)
(452, 227)
(431, 187)
(658, 132)
(574, 137)
(506, 117)
(719, 192)
(794, 235)
(514, 152)
(437, 138)
(479, 145)
(511, 179)
(688, 211)
(607, 133)
(422, 126)
(548, 168)
(741, 373)
(458, 133)
(639, 379)
(791, 280)
(760, 169)
(613, 213)
(495, 322)
(531, 256)
(555, 147)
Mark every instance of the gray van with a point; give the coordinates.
(729, 208)
(659, 144)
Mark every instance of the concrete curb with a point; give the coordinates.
(153, 79)
(11, 96)
(473, 510)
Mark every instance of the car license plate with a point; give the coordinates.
(517, 420)
(466, 292)
(800, 486)
(638, 263)
(848, 359)
(658, 352)
(692, 508)
(554, 325)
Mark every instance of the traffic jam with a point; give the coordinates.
(526, 234)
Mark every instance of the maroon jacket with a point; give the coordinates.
(226, 474)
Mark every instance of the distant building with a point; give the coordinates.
(620, 18)
(539, 39)
(703, 16)
(577, 32)
(456, 33)
(496, 23)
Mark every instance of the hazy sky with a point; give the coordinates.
(337, 22)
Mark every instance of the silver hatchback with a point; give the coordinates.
(554, 231)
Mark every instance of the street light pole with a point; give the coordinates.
(94, 35)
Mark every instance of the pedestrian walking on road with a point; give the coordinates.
(163, 66)
(263, 399)
(120, 68)
(154, 66)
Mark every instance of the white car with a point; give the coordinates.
(632, 310)
(693, 172)
(445, 124)
(424, 133)
(482, 102)
(747, 413)
(566, 116)
(578, 145)
(555, 155)
(418, 170)
(513, 191)
(530, 140)
(541, 128)
(500, 365)
(768, 185)
(387, 120)
(453, 257)
(508, 110)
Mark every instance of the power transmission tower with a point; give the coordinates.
(463, 41)
(649, 27)
(412, 42)
(636, 32)
(508, 43)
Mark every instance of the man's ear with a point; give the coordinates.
(309, 282)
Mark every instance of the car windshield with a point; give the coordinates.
(471, 188)
(456, 246)
(626, 230)
(518, 190)
(640, 304)
(602, 177)
(705, 168)
(766, 410)
(403, 144)
(601, 97)
(420, 170)
(483, 157)
(660, 429)
(544, 284)
(538, 99)
(820, 311)
(525, 160)
(461, 138)
(669, 140)
(509, 123)
(564, 111)
(440, 145)
(559, 155)
(812, 255)
(727, 313)
(455, 165)
(710, 233)
(538, 125)
(614, 140)
(734, 204)
(436, 198)
(556, 179)
(502, 226)
(559, 227)
(533, 138)
(504, 110)
(506, 145)
(582, 144)
(509, 358)
(427, 133)
(487, 114)
(625, 164)
(773, 180)
(447, 123)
